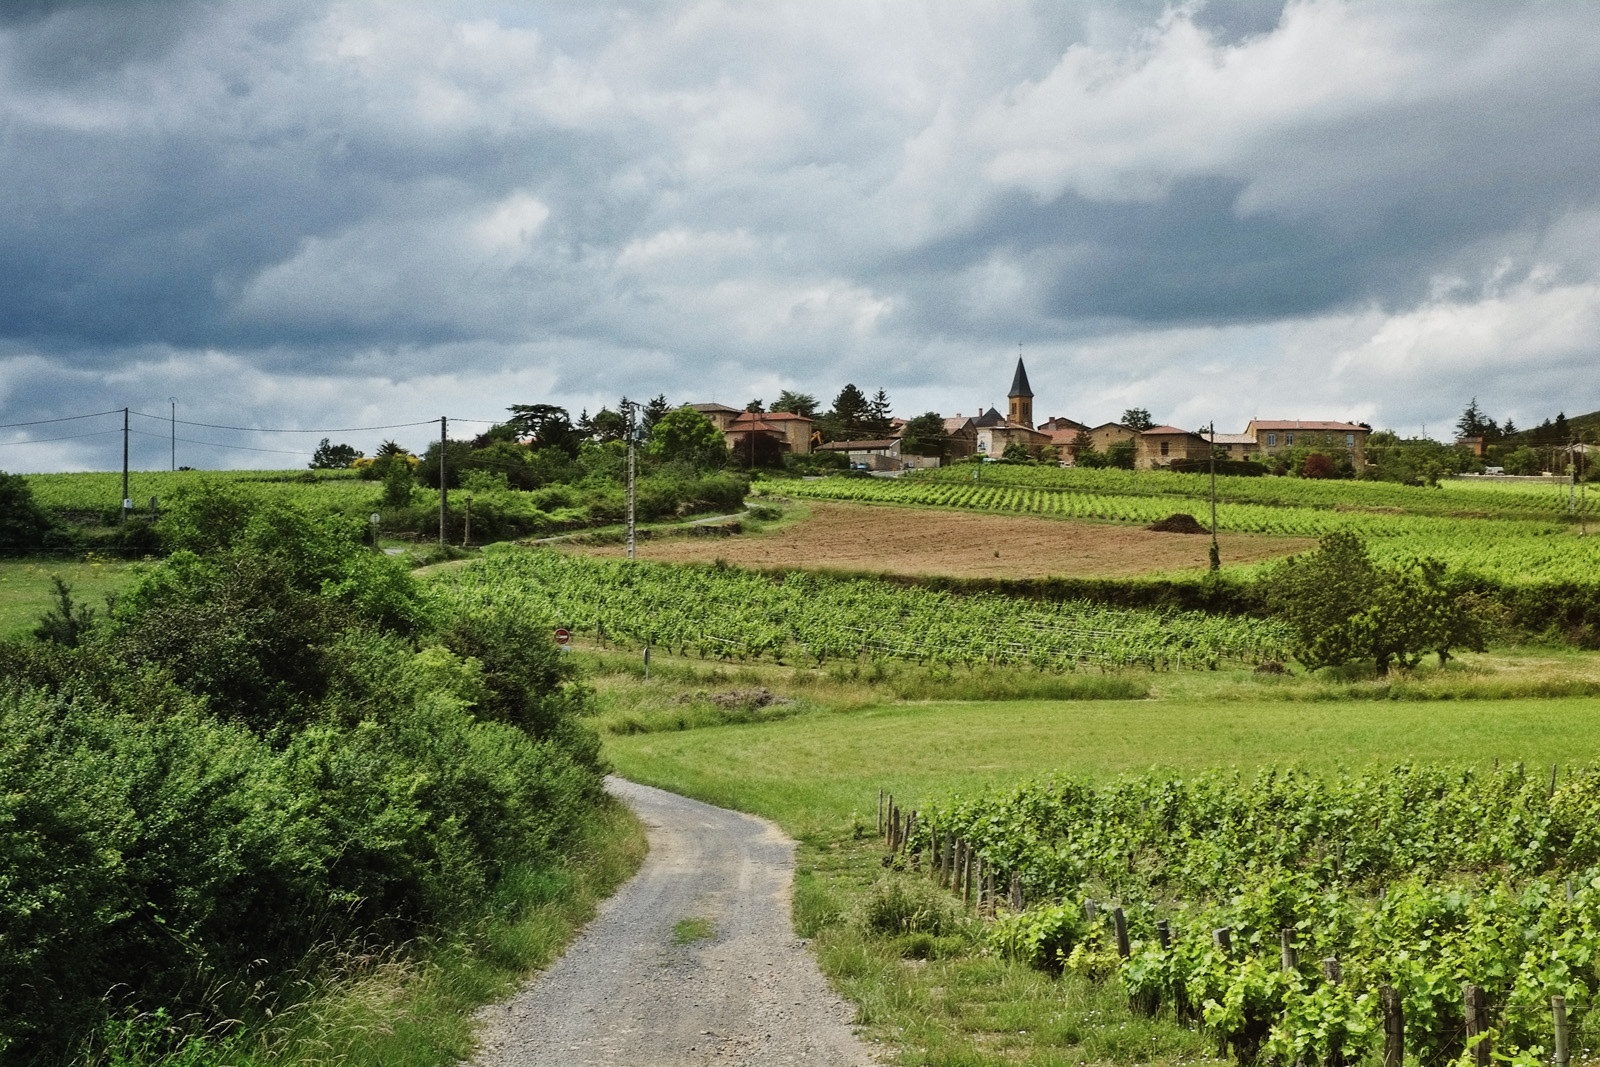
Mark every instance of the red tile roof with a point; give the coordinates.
(1297, 424)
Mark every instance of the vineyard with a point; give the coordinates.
(804, 618)
(101, 491)
(1456, 497)
(1307, 919)
(1510, 550)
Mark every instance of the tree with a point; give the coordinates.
(1017, 452)
(1138, 419)
(687, 436)
(1343, 607)
(1474, 423)
(879, 416)
(23, 523)
(925, 436)
(329, 456)
(1317, 465)
(796, 404)
(608, 425)
(1524, 460)
(1083, 451)
(847, 421)
(1122, 454)
(651, 413)
(756, 407)
(546, 426)
(1560, 432)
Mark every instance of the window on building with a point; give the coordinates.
(1288, 438)
(1349, 440)
(1164, 447)
(1272, 439)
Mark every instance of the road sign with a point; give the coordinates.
(562, 636)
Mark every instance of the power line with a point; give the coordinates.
(64, 418)
(215, 444)
(282, 429)
(69, 437)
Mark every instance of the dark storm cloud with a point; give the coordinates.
(345, 200)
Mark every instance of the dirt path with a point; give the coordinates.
(628, 994)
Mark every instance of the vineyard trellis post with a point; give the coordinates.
(1394, 1027)
(1563, 1033)
(1475, 1008)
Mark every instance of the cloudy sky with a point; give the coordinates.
(312, 215)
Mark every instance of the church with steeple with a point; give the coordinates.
(996, 432)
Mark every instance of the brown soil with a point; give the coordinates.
(890, 540)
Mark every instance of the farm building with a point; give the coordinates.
(1160, 446)
(1280, 435)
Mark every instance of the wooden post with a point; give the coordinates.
(1571, 893)
(1090, 912)
(1476, 1009)
(1330, 970)
(1119, 923)
(880, 813)
(1016, 891)
(1222, 937)
(1288, 954)
(949, 861)
(1558, 1011)
(988, 890)
(1394, 1027)
(966, 874)
(980, 878)
(1164, 933)
(1552, 779)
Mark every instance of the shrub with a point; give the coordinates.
(1041, 937)
(902, 905)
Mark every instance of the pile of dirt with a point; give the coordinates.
(1179, 523)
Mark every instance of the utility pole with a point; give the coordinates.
(174, 401)
(629, 424)
(444, 494)
(127, 501)
(1216, 552)
(1572, 488)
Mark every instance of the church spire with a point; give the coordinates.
(1019, 382)
(1021, 397)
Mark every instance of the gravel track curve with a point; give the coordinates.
(693, 962)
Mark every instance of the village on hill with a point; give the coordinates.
(1133, 442)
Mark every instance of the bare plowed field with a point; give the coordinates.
(863, 537)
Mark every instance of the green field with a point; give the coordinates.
(26, 590)
(815, 774)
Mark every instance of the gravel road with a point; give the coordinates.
(626, 994)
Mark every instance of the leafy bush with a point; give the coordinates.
(1041, 937)
(270, 750)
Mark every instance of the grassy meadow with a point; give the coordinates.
(27, 590)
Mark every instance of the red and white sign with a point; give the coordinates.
(563, 636)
